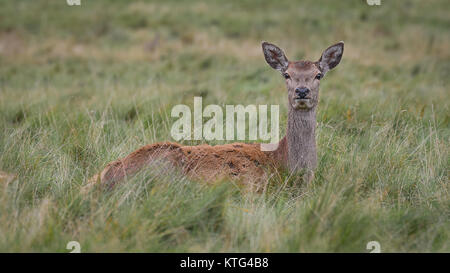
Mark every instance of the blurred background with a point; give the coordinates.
(138, 51)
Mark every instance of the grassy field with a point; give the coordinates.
(82, 86)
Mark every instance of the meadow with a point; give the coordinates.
(81, 86)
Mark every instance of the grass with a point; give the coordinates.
(82, 86)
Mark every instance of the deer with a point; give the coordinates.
(296, 152)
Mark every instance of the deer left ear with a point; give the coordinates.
(331, 57)
(275, 57)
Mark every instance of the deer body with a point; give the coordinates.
(242, 161)
(246, 162)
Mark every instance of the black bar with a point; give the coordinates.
(223, 262)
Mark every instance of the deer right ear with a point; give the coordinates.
(331, 57)
(275, 57)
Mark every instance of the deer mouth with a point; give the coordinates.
(302, 103)
(302, 100)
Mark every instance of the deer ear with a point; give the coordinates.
(331, 57)
(275, 57)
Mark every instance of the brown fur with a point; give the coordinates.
(238, 161)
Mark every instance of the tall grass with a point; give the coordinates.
(82, 86)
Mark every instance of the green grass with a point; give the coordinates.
(82, 86)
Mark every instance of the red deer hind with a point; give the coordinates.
(242, 161)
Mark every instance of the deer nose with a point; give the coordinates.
(302, 92)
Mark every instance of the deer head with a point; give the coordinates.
(302, 82)
(303, 77)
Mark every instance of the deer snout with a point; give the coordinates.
(302, 92)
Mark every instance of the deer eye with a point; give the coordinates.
(286, 76)
(319, 76)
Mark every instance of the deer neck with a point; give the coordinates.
(301, 140)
